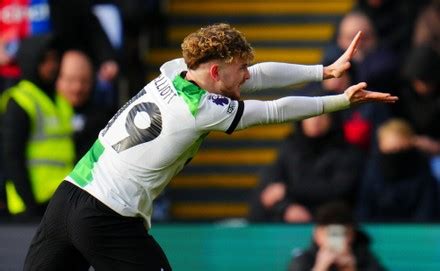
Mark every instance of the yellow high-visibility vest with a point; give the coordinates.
(50, 151)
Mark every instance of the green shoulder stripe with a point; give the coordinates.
(190, 93)
(82, 173)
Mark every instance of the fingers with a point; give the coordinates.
(359, 86)
(373, 96)
(362, 85)
(353, 45)
(355, 93)
(380, 97)
(359, 94)
(339, 71)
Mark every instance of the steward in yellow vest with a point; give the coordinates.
(37, 131)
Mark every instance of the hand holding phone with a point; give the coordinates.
(336, 238)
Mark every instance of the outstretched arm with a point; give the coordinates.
(297, 108)
(275, 74)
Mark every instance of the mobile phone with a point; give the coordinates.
(336, 237)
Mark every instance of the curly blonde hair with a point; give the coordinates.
(218, 41)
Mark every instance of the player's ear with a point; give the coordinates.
(214, 72)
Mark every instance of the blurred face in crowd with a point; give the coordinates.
(317, 126)
(393, 141)
(76, 78)
(349, 27)
(48, 68)
(423, 88)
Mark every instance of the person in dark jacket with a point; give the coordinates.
(338, 244)
(397, 185)
(420, 102)
(374, 63)
(314, 166)
(78, 28)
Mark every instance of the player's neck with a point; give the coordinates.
(201, 78)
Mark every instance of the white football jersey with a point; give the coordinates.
(150, 139)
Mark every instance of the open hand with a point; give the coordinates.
(342, 64)
(357, 94)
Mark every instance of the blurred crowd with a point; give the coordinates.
(66, 66)
(381, 160)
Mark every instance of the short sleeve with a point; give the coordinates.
(219, 113)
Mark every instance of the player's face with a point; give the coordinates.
(232, 76)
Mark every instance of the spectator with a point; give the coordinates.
(78, 28)
(420, 101)
(314, 166)
(75, 83)
(338, 244)
(38, 149)
(109, 16)
(374, 64)
(397, 184)
(427, 27)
